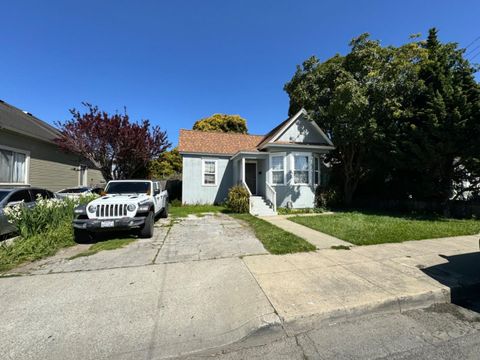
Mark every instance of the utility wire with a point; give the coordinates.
(473, 50)
(474, 41)
(474, 56)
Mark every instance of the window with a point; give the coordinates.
(301, 169)
(128, 187)
(13, 166)
(209, 172)
(20, 195)
(316, 170)
(44, 194)
(278, 169)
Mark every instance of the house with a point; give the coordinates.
(30, 157)
(280, 169)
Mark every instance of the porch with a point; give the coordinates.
(250, 171)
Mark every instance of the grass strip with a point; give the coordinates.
(275, 240)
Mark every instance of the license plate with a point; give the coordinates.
(107, 224)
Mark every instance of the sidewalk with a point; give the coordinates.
(320, 240)
(331, 284)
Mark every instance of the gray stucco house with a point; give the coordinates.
(279, 169)
(30, 157)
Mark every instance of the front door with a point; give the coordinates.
(251, 176)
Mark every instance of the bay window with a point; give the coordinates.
(13, 166)
(301, 169)
(277, 163)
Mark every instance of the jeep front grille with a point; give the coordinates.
(111, 210)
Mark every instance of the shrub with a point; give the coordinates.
(238, 199)
(45, 216)
(327, 197)
(36, 247)
(44, 229)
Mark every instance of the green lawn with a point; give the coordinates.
(367, 229)
(274, 239)
(35, 247)
(185, 210)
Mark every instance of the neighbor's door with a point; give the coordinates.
(251, 176)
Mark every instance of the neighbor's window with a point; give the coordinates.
(278, 170)
(301, 169)
(209, 172)
(13, 167)
(316, 170)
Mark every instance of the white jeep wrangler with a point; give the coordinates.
(125, 205)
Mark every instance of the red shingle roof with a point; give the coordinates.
(193, 141)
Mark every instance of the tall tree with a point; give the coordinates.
(167, 165)
(441, 143)
(356, 98)
(223, 123)
(121, 149)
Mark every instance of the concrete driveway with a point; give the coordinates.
(184, 290)
(192, 288)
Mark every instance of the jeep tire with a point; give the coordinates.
(164, 212)
(146, 231)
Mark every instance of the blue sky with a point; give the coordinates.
(174, 62)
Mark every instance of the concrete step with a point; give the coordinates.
(260, 207)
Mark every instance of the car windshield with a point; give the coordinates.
(73, 190)
(137, 187)
(3, 194)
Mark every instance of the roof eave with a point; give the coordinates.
(10, 129)
(297, 145)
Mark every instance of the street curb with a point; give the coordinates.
(394, 304)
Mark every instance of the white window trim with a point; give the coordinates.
(318, 158)
(27, 165)
(310, 164)
(203, 172)
(270, 177)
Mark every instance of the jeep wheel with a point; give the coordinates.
(147, 230)
(82, 236)
(164, 212)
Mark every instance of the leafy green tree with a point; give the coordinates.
(167, 165)
(223, 123)
(356, 98)
(441, 144)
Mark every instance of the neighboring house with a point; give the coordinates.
(30, 157)
(280, 169)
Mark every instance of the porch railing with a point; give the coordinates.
(244, 184)
(271, 196)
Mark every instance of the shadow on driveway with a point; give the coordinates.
(462, 275)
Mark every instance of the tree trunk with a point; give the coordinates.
(349, 188)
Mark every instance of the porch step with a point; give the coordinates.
(260, 207)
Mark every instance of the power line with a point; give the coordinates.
(474, 41)
(473, 50)
(478, 53)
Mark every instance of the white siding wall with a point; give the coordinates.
(301, 196)
(304, 131)
(193, 190)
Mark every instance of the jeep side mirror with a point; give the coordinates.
(156, 191)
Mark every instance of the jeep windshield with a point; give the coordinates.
(127, 187)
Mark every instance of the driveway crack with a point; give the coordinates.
(163, 242)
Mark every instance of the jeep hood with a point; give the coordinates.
(120, 199)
